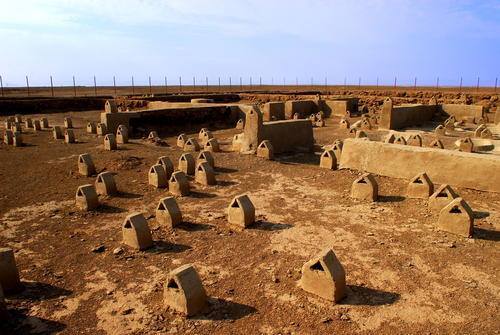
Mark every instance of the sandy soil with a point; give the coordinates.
(403, 274)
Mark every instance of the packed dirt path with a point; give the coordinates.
(403, 274)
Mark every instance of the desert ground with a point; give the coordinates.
(404, 276)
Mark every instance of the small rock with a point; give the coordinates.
(99, 249)
(452, 245)
(127, 311)
(326, 320)
(344, 317)
(275, 279)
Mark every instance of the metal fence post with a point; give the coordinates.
(180, 84)
(114, 84)
(477, 85)
(150, 87)
(166, 85)
(1, 84)
(95, 86)
(74, 86)
(51, 86)
(133, 86)
(28, 85)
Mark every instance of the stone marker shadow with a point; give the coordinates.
(221, 309)
(22, 323)
(486, 234)
(269, 226)
(360, 295)
(161, 247)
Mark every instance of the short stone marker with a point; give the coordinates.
(44, 122)
(479, 129)
(167, 164)
(191, 145)
(69, 136)
(205, 174)
(36, 125)
(110, 106)
(328, 160)
(18, 118)
(9, 274)
(420, 187)
(184, 291)
(206, 156)
(57, 133)
(17, 139)
(17, 127)
(436, 144)
(28, 123)
(365, 188)
(110, 142)
(337, 148)
(442, 197)
(241, 212)
(212, 145)
(157, 176)
(360, 134)
(400, 140)
(8, 137)
(122, 134)
(324, 276)
(153, 135)
(457, 217)
(390, 138)
(105, 184)
(240, 124)
(415, 140)
(187, 164)
(179, 184)
(440, 130)
(86, 166)
(486, 133)
(86, 198)
(136, 233)
(68, 122)
(265, 150)
(181, 140)
(168, 212)
(91, 128)
(466, 145)
(344, 124)
(101, 129)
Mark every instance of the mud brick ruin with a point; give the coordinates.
(365, 187)
(86, 165)
(184, 291)
(86, 198)
(178, 184)
(241, 212)
(9, 274)
(168, 212)
(105, 184)
(157, 176)
(136, 233)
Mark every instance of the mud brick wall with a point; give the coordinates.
(49, 105)
(273, 111)
(406, 116)
(302, 107)
(463, 112)
(462, 169)
(339, 107)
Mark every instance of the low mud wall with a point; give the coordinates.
(303, 108)
(463, 112)
(289, 135)
(398, 117)
(339, 107)
(49, 105)
(462, 169)
(273, 111)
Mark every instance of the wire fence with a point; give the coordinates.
(94, 86)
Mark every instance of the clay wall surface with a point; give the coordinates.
(470, 170)
(273, 111)
(340, 106)
(302, 107)
(462, 112)
(288, 135)
(406, 116)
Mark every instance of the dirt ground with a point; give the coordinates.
(404, 276)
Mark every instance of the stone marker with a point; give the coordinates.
(181, 140)
(479, 129)
(122, 134)
(320, 123)
(390, 138)
(136, 233)
(212, 145)
(440, 130)
(295, 116)
(57, 133)
(457, 217)
(236, 143)
(86, 166)
(91, 128)
(328, 160)
(365, 188)
(344, 124)
(205, 174)
(178, 184)
(36, 125)
(415, 140)
(17, 139)
(240, 124)
(324, 276)
(101, 129)
(466, 145)
(365, 124)
(17, 127)
(449, 124)
(157, 176)
(18, 118)
(68, 122)
(436, 143)
(86, 198)
(442, 197)
(400, 140)
(265, 150)
(153, 135)
(486, 133)
(205, 135)
(110, 106)
(168, 212)
(44, 123)
(105, 184)
(7, 124)
(110, 142)
(184, 292)
(206, 156)
(8, 137)
(360, 134)
(191, 145)
(28, 123)
(420, 187)
(167, 164)
(69, 136)
(187, 163)
(9, 274)
(201, 134)
(241, 212)
(337, 148)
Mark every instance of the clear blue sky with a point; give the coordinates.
(268, 38)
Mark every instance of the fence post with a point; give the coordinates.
(51, 86)
(150, 87)
(260, 82)
(377, 82)
(477, 86)
(194, 83)
(241, 84)
(180, 84)
(297, 82)
(460, 90)
(95, 86)
(219, 85)
(437, 83)
(345, 82)
(230, 84)
(166, 85)
(74, 86)
(1, 84)
(206, 84)
(250, 82)
(359, 82)
(28, 85)
(133, 86)
(395, 81)
(114, 84)
(415, 83)
(496, 83)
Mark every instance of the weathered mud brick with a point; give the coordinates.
(179, 184)
(324, 276)
(157, 176)
(241, 212)
(265, 150)
(136, 233)
(212, 145)
(191, 145)
(205, 174)
(457, 217)
(206, 156)
(57, 133)
(69, 136)
(365, 188)
(187, 164)
(168, 212)
(184, 291)
(105, 184)
(328, 160)
(86, 166)
(420, 187)
(110, 142)
(9, 274)
(86, 198)
(442, 197)
(167, 164)
(181, 140)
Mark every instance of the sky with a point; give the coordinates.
(276, 40)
